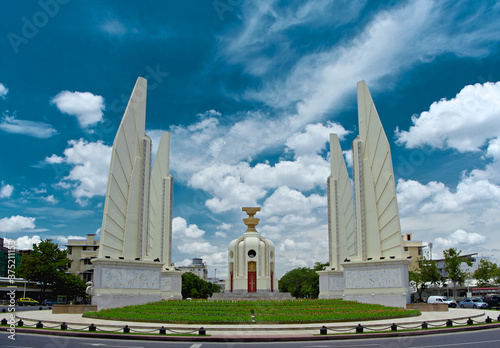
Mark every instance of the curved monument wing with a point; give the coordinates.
(378, 177)
(341, 223)
(122, 220)
(160, 204)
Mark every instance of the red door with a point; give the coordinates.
(252, 281)
(272, 283)
(231, 281)
(252, 276)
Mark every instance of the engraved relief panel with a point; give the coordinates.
(129, 279)
(336, 283)
(379, 278)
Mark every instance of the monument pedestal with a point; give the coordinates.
(331, 284)
(119, 283)
(383, 282)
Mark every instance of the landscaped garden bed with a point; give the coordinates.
(240, 312)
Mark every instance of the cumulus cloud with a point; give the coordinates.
(464, 123)
(11, 124)
(90, 168)
(180, 228)
(460, 239)
(26, 242)
(3, 91)
(17, 223)
(470, 195)
(6, 190)
(312, 141)
(85, 106)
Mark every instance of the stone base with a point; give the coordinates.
(171, 285)
(383, 282)
(119, 283)
(245, 296)
(331, 284)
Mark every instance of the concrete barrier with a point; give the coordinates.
(73, 309)
(428, 307)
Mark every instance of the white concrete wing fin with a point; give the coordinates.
(341, 215)
(160, 204)
(377, 152)
(127, 147)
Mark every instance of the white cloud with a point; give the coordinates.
(17, 223)
(50, 199)
(26, 242)
(89, 175)
(114, 27)
(6, 190)
(313, 140)
(292, 245)
(287, 202)
(460, 239)
(220, 234)
(181, 229)
(196, 247)
(86, 106)
(464, 123)
(34, 129)
(3, 91)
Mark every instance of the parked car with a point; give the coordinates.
(27, 301)
(473, 303)
(442, 299)
(49, 302)
(493, 300)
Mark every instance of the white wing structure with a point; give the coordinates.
(124, 231)
(341, 223)
(377, 214)
(160, 204)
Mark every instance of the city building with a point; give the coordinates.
(4, 258)
(412, 249)
(80, 252)
(198, 267)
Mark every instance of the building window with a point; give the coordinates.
(69, 250)
(69, 266)
(406, 249)
(84, 248)
(408, 237)
(419, 251)
(87, 276)
(87, 262)
(96, 247)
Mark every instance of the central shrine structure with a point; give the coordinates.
(251, 262)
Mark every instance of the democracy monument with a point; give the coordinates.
(365, 245)
(134, 264)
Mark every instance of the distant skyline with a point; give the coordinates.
(250, 91)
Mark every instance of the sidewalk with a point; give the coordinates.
(253, 331)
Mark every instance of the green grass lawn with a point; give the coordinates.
(238, 312)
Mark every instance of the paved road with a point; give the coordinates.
(477, 339)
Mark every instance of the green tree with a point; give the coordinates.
(47, 264)
(425, 275)
(70, 285)
(302, 282)
(487, 273)
(452, 263)
(195, 287)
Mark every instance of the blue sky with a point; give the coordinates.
(250, 91)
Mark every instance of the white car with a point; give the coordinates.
(442, 299)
